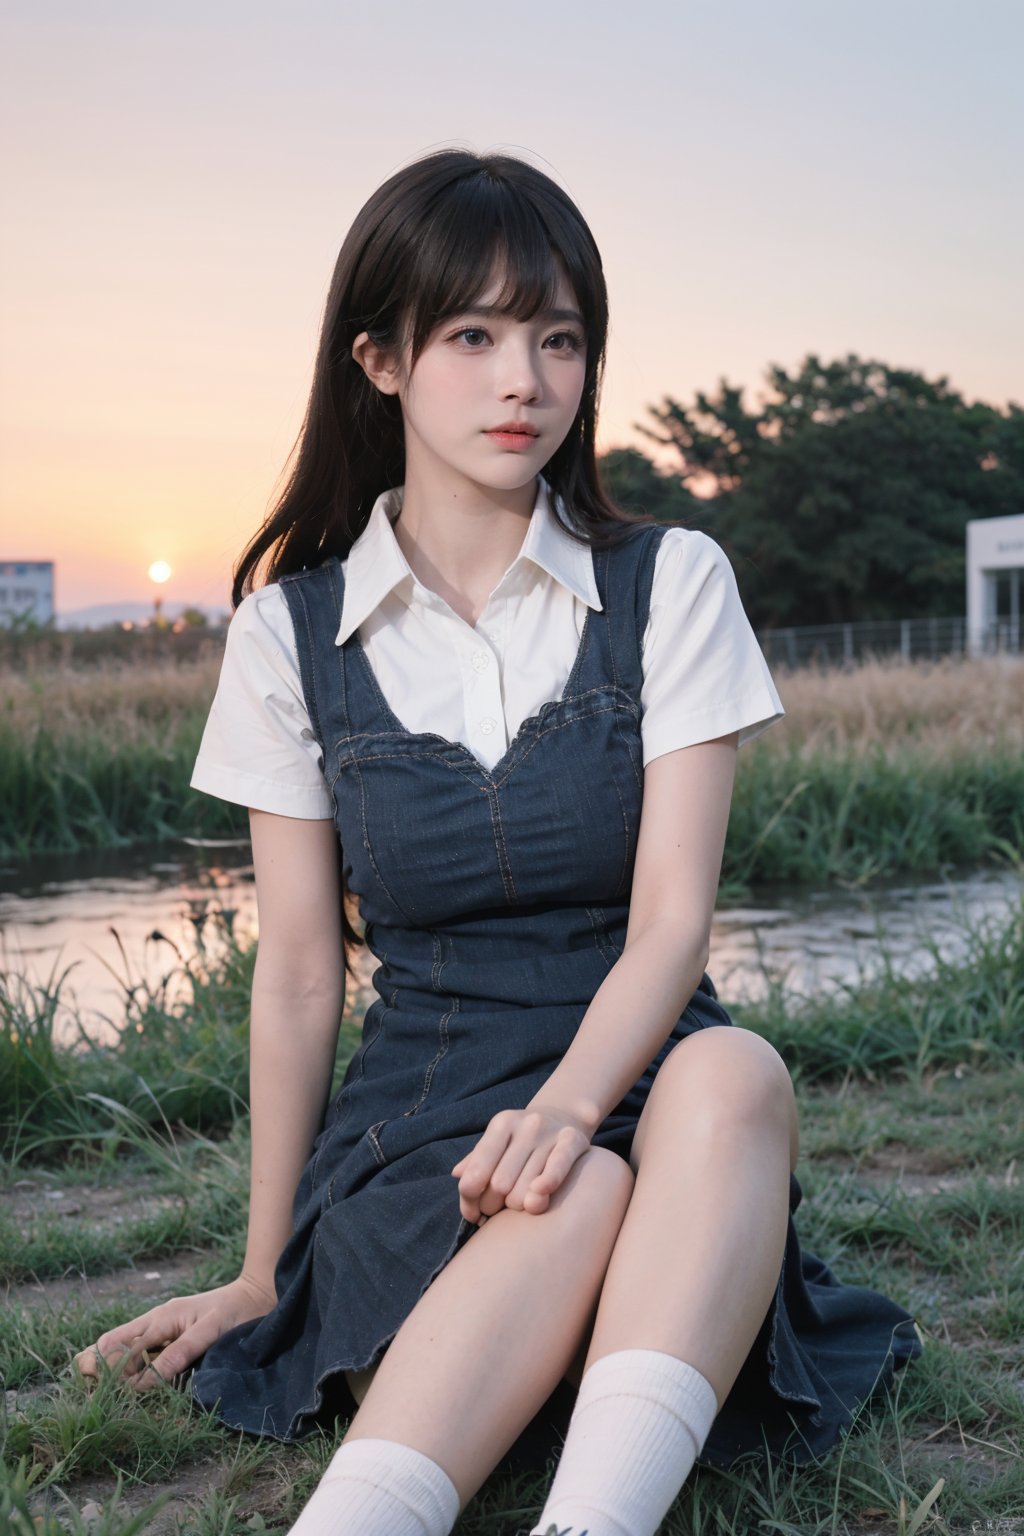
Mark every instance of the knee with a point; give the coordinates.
(730, 1076)
(602, 1186)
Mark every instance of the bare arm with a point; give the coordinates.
(685, 814)
(524, 1155)
(297, 997)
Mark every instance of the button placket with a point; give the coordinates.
(485, 712)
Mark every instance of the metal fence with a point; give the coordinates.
(913, 639)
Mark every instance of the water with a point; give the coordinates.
(821, 941)
(115, 918)
(111, 919)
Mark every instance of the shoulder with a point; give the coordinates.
(704, 673)
(261, 633)
(686, 552)
(691, 572)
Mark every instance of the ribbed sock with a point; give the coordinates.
(380, 1488)
(640, 1421)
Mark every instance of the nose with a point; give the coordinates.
(518, 370)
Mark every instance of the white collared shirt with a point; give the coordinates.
(703, 671)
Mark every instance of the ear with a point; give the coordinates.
(380, 367)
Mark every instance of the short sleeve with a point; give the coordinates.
(258, 748)
(704, 673)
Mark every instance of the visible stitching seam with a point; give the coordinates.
(475, 770)
(372, 1136)
(357, 763)
(606, 948)
(502, 850)
(362, 1054)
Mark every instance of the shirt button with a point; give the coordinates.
(487, 726)
(480, 661)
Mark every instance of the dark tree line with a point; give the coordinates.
(844, 497)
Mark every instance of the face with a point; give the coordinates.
(480, 371)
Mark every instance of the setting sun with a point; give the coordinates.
(159, 571)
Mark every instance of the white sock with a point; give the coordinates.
(380, 1488)
(639, 1423)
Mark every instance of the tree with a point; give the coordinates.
(846, 496)
(637, 485)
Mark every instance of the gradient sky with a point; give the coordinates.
(763, 181)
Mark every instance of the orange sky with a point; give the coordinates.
(763, 182)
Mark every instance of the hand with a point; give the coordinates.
(520, 1161)
(164, 1341)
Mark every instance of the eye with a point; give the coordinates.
(467, 333)
(572, 341)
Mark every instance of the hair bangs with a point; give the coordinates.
(488, 231)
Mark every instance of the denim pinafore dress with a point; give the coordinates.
(495, 901)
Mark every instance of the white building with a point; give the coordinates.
(995, 568)
(26, 591)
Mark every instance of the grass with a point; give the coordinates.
(886, 768)
(911, 1139)
(183, 1063)
(101, 756)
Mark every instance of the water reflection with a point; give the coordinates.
(113, 919)
(821, 941)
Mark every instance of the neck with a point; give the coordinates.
(460, 537)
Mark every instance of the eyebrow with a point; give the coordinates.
(572, 315)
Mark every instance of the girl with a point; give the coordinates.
(505, 716)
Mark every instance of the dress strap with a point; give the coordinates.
(314, 599)
(624, 573)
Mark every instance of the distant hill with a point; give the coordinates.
(99, 615)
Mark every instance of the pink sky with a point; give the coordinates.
(763, 183)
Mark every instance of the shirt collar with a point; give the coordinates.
(376, 564)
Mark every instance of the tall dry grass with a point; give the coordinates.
(887, 768)
(127, 702)
(935, 705)
(100, 756)
(943, 707)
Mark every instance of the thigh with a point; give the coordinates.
(358, 1382)
(731, 1072)
(596, 1191)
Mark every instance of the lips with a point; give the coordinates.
(518, 428)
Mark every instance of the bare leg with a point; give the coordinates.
(694, 1268)
(495, 1332)
(697, 1259)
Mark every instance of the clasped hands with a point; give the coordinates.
(520, 1161)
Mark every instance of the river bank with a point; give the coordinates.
(111, 918)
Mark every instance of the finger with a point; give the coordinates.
(533, 1165)
(135, 1359)
(567, 1150)
(154, 1335)
(86, 1364)
(532, 1135)
(469, 1209)
(480, 1164)
(520, 1163)
(91, 1363)
(178, 1354)
(122, 1350)
(153, 1326)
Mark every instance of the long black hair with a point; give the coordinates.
(421, 249)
